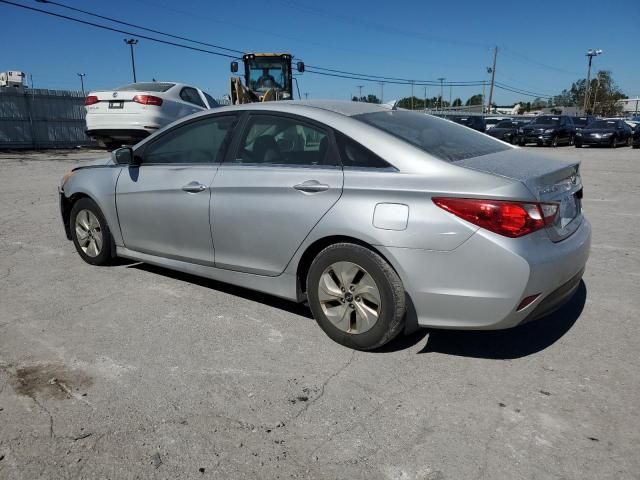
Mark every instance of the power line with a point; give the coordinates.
(395, 82)
(115, 20)
(406, 80)
(104, 27)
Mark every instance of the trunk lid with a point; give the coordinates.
(117, 102)
(549, 180)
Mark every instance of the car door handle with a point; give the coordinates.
(194, 187)
(312, 186)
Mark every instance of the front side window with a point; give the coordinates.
(203, 141)
(272, 140)
(437, 137)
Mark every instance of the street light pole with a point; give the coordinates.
(592, 52)
(360, 90)
(381, 92)
(131, 42)
(82, 75)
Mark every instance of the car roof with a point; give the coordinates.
(342, 107)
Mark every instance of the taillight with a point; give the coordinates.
(91, 100)
(508, 218)
(147, 100)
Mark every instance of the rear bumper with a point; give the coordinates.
(122, 126)
(480, 285)
(593, 141)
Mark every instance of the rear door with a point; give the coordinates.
(283, 176)
(163, 203)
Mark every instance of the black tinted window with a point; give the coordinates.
(355, 155)
(274, 140)
(442, 139)
(211, 100)
(203, 141)
(191, 95)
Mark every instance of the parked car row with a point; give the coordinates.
(556, 130)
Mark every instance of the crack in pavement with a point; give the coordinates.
(324, 384)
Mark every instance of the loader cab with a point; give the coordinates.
(268, 75)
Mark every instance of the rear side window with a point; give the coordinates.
(355, 155)
(191, 95)
(212, 101)
(442, 139)
(284, 141)
(203, 141)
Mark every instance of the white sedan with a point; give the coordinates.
(132, 112)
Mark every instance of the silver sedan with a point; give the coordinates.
(381, 219)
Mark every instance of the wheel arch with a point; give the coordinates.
(320, 244)
(66, 204)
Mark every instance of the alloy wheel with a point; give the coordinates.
(349, 297)
(89, 233)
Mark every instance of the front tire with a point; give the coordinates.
(90, 233)
(355, 296)
(554, 141)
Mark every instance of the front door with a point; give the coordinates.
(163, 203)
(284, 178)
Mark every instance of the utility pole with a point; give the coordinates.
(450, 90)
(595, 95)
(442, 79)
(360, 90)
(131, 42)
(381, 92)
(493, 77)
(82, 75)
(411, 94)
(592, 52)
(306, 95)
(425, 99)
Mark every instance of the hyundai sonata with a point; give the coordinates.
(381, 219)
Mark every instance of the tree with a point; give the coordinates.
(457, 103)
(474, 100)
(602, 90)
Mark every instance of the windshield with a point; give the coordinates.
(442, 139)
(266, 73)
(146, 87)
(505, 124)
(607, 124)
(547, 121)
(492, 121)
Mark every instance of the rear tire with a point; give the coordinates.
(355, 296)
(612, 143)
(90, 233)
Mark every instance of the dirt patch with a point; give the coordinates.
(48, 380)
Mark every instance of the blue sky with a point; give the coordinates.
(541, 44)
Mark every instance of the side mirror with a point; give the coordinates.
(234, 67)
(123, 156)
(300, 66)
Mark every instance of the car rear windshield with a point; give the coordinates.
(505, 124)
(603, 124)
(580, 121)
(442, 139)
(146, 87)
(546, 121)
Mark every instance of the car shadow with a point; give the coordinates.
(513, 343)
(275, 302)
